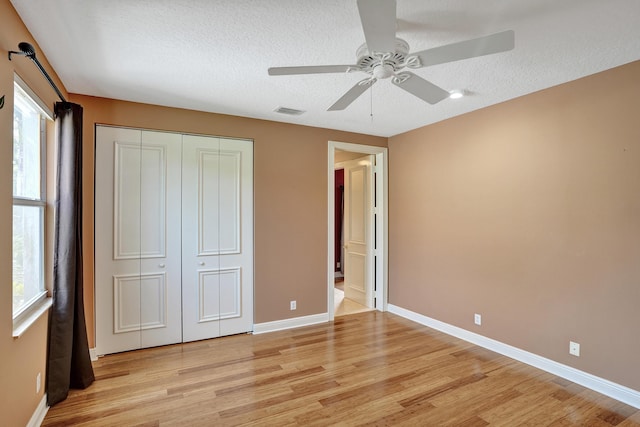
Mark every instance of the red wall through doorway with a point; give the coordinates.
(338, 190)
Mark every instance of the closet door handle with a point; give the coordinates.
(201, 263)
(161, 265)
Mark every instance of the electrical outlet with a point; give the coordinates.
(292, 305)
(574, 348)
(38, 382)
(477, 319)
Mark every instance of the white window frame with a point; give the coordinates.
(40, 303)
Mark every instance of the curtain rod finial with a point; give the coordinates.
(26, 49)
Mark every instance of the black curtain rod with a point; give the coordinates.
(27, 50)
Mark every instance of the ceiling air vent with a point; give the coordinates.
(289, 111)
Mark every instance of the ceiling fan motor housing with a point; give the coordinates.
(382, 65)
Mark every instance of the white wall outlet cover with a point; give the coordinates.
(574, 348)
(477, 319)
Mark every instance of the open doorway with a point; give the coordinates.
(357, 229)
(354, 232)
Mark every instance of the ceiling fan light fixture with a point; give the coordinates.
(456, 94)
(383, 71)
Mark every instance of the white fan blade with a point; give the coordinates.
(352, 94)
(379, 24)
(420, 87)
(313, 69)
(495, 43)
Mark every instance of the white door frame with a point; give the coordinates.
(382, 221)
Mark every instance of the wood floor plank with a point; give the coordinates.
(371, 368)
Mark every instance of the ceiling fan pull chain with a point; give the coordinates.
(371, 103)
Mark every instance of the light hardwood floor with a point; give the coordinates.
(368, 368)
(343, 306)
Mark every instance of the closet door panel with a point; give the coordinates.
(218, 198)
(200, 238)
(153, 195)
(236, 242)
(217, 280)
(160, 241)
(230, 175)
(139, 302)
(126, 198)
(207, 199)
(117, 239)
(137, 271)
(219, 294)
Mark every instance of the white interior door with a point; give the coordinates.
(137, 252)
(217, 237)
(358, 230)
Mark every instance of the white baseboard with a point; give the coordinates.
(38, 415)
(296, 322)
(601, 385)
(93, 354)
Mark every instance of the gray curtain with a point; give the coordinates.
(68, 360)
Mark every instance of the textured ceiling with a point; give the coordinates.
(213, 55)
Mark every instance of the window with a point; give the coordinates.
(29, 203)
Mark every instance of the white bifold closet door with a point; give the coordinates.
(173, 238)
(217, 237)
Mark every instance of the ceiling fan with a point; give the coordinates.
(386, 56)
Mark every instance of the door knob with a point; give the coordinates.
(161, 265)
(201, 263)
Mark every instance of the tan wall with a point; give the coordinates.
(528, 213)
(20, 359)
(290, 175)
